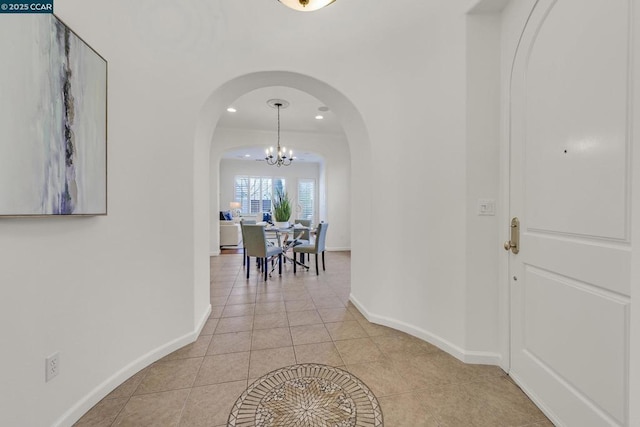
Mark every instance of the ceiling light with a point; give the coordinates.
(306, 5)
(319, 117)
(279, 157)
(247, 155)
(231, 110)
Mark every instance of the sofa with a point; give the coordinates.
(230, 233)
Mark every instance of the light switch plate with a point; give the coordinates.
(486, 207)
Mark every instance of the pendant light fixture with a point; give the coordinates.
(306, 5)
(278, 157)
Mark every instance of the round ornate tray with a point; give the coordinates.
(307, 395)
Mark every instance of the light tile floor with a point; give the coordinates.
(256, 327)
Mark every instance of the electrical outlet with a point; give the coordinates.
(52, 366)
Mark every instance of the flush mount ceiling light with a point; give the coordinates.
(279, 157)
(306, 5)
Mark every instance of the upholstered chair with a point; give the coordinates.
(243, 222)
(301, 235)
(255, 243)
(316, 248)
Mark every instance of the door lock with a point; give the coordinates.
(514, 243)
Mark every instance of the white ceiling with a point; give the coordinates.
(253, 113)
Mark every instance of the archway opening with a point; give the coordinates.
(360, 168)
(317, 180)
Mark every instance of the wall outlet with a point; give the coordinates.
(52, 366)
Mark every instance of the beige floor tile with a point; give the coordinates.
(545, 423)
(271, 320)
(234, 324)
(269, 297)
(356, 313)
(381, 377)
(374, 330)
(209, 326)
(223, 368)
(307, 317)
(309, 334)
(195, 349)
(103, 414)
(218, 300)
(232, 342)
(210, 405)
(401, 345)
(421, 373)
(441, 390)
(406, 410)
(323, 352)
(171, 375)
(358, 350)
(345, 330)
(459, 372)
(296, 295)
(328, 302)
(270, 307)
(299, 305)
(243, 290)
(156, 409)
(332, 315)
(238, 310)
(215, 291)
(127, 388)
(320, 291)
(216, 312)
(492, 401)
(265, 361)
(249, 298)
(271, 338)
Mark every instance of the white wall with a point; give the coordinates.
(482, 172)
(332, 177)
(113, 293)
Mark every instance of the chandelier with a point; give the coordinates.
(279, 157)
(306, 5)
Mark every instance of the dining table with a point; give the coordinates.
(280, 235)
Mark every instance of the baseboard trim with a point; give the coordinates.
(466, 356)
(97, 394)
(215, 253)
(338, 249)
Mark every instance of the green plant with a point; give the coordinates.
(282, 206)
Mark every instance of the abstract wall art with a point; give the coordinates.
(53, 120)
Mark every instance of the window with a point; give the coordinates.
(255, 193)
(306, 198)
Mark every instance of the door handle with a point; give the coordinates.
(514, 243)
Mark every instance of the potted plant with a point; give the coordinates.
(282, 209)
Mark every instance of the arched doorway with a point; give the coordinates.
(361, 165)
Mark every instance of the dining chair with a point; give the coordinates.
(302, 235)
(316, 248)
(256, 246)
(244, 222)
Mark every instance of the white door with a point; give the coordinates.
(569, 187)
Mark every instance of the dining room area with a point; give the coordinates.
(246, 175)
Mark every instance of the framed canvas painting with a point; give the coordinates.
(53, 120)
